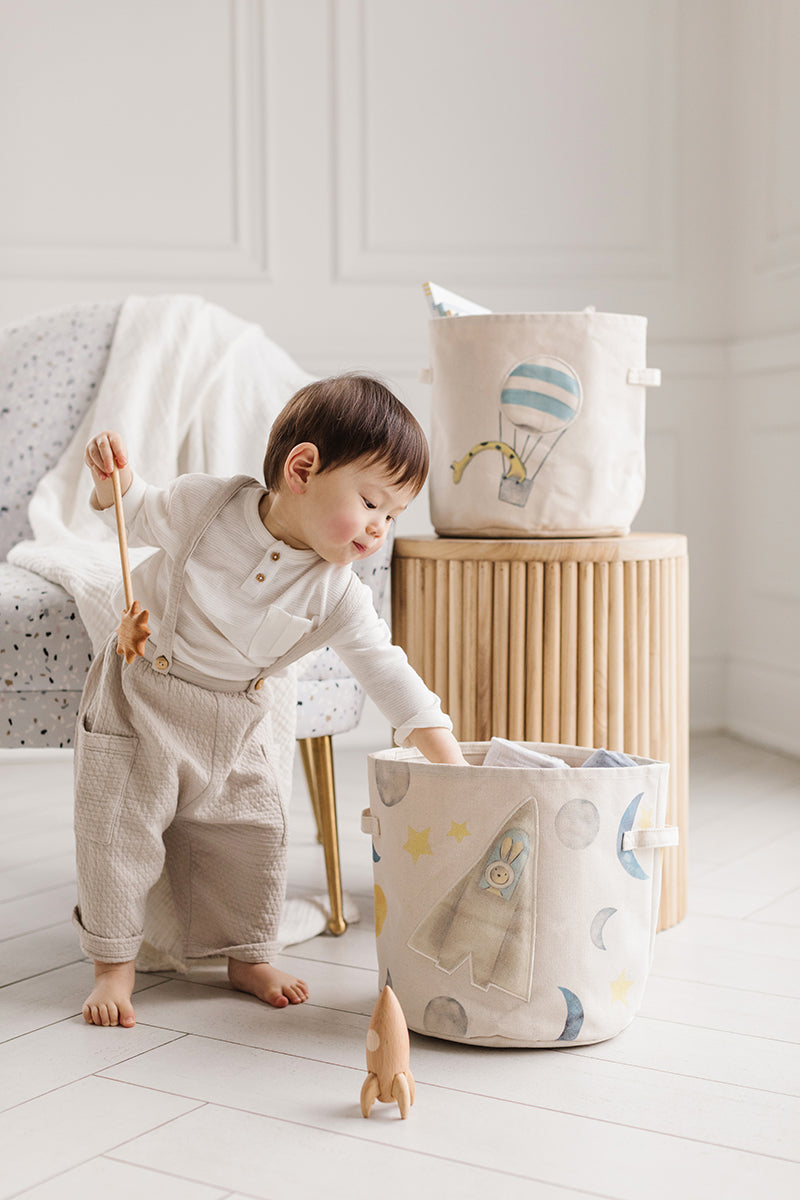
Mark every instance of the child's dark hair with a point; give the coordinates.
(349, 417)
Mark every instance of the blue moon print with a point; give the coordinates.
(445, 1017)
(574, 1016)
(577, 824)
(597, 926)
(627, 857)
(375, 856)
(392, 780)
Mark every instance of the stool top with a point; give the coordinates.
(633, 547)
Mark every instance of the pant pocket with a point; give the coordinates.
(103, 764)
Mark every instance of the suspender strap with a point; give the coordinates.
(166, 634)
(161, 657)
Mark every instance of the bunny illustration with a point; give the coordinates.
(506, 863)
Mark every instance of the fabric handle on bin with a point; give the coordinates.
(650, 839)
(645, 376)
(370, 824)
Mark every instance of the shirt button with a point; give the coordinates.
(275, 555)
(260, 578)
(162, 663)
(259, 684)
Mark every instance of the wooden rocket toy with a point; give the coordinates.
(389, 1075)
(133, 631)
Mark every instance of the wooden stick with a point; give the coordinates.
(122, 537)
(534, 665)
(568, 700)
(516, 661)
(454, 646)
(551, 654)
(585, 731)
(500, 648)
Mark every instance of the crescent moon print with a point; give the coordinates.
(598, 925)
(392, 780)
(574, 1016)
(627, 857)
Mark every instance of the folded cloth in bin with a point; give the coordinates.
(502, 753)
(609, 758)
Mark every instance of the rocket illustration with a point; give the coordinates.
(389, 1075)
(489, 915)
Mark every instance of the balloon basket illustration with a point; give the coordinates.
(516, 906)
(515, 491)
(537, 423)
(539, 399)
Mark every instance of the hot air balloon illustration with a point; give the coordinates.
(539, 400)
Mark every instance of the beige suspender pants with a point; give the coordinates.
(180, 792)
(179, 779)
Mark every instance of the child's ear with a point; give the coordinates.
(301, 463)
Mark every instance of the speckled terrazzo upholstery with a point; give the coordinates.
(50, 368)
(328, 698)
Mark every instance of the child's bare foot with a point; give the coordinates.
(267, 983)
(110, 1000)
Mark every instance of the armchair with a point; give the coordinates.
(51, 365)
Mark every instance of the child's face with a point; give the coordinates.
(348, 510)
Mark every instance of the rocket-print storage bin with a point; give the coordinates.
(537, 423)
(516, 906)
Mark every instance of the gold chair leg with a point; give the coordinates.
(317, 756)
(311, 779)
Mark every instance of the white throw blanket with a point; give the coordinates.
(191, 388)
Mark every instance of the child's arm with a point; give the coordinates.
(438, 745)
(102, 452)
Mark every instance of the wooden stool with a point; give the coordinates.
(580, 640)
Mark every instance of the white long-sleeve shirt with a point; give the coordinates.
(248, 598)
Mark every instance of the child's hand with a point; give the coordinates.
(102, 452)
(438, 745)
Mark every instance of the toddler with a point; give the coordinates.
(176, 777)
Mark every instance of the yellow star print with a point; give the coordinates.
(620, 988)
(418, 843)
(459, 832)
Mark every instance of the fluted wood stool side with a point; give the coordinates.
(578, 640)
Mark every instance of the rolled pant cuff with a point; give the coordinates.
(107, 950)
(254, 952)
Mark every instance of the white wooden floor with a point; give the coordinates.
(213, 1095)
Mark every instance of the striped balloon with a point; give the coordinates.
(541, 395)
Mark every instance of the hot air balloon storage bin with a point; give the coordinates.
(516, 906)
(537, 423)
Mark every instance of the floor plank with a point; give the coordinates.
(215, 1097)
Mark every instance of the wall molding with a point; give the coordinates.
(780, 253)
(245, 255)
(355, 260)
(766, 354)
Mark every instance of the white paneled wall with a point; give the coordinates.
(763, 638)
(309, 163)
